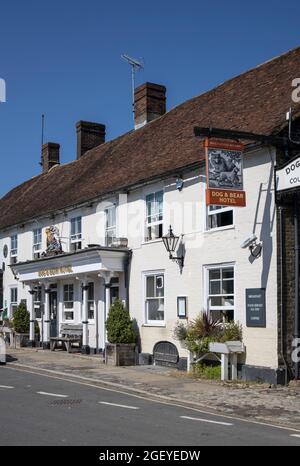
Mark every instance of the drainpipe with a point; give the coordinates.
(282, 247)
(296, 309)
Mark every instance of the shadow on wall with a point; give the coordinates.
(267, 224)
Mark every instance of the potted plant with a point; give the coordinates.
(20, 325)
(121, 335)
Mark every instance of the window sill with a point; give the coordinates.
(158, 240)
(213, 230)
(163, 325)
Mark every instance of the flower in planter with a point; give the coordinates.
(119, 325)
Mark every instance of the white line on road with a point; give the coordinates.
(6, 386)
(53, 394)
(115, 404)
(295, 435)
(206, 420)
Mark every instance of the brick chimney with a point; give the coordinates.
(50, 156)
(149, 103)
(89, 135)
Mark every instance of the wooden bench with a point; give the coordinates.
(70, 334)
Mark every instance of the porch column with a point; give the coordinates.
(107, 286)
(46, 342)
(85, 335)
(32, 318)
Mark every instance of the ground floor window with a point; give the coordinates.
(69, 302)
(114, 289)
(221, 292)
(37, 302)
(91, 301)
(13, 300)
(154, 298)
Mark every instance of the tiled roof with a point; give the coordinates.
(255, 101)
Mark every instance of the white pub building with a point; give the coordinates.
(79, 235)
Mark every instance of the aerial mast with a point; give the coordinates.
(136, 65)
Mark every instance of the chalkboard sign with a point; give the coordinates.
(255, 307)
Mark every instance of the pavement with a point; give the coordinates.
(51, 410)
(278, 406)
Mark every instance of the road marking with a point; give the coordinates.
(115, 404)
(6, 386)
(295, 435)
(87, 381)
(53, 394)
(206, 420)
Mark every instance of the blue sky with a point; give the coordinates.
(62, 58)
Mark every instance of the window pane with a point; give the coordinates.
(214, 274)
(227, 287)
(227, 273)
(91, 291)
(228, 301)
(216, 301)
(159, 285)
(215, 287)
(155, 309)
(150, 286)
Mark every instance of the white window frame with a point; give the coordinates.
(37, 245)
(207, 295)
(38, 304)
(76, 238)
(13, 303)
(148, 322)
(156, 214)
(110, 228)
(64, 302)
(14, 249)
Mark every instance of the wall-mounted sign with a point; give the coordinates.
(182, 307)
(224, 173)
(56, 271)
(255, 307)
(53, 242)
(288, 177)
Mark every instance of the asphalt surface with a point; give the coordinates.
(44, 410)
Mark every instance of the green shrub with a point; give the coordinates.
(207, 371)
(21, 319)
(180, 331)
(119, 326)
(232, 331)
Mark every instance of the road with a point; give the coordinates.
(46, 410)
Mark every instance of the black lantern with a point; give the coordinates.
(170, 242)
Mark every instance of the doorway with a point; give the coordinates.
(53, 311)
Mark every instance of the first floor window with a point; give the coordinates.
(37, 243)
(154, 218)
(221, 293)
(91, 301)
(69, 302)
(14, 249)
(76, 236)
(110, 225)
(155, 298)
(219, 216)
(13, 300)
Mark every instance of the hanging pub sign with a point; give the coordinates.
(288, 176)
(224, 173)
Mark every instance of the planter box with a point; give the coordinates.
(21, 340)
(120, 354)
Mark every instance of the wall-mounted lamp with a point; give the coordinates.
(170, 242)
(254, 246)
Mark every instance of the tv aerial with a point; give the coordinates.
(136, 65)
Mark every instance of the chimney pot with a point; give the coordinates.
(149, 103)
(50, 156)
(89, 135)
